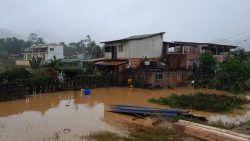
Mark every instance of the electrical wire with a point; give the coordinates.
(231, 37)
(240, 42)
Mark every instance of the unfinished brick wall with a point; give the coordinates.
(136, 62)
(174, 81)
(169, 78)
(176, 60)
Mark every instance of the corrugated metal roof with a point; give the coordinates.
(70, 60)
(135, 37)
(204, 44)
(110, 63)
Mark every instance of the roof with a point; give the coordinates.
(110, 63)
(203, 44)
(135, 37)
(70, 60)
(94, 60)
(70, 53)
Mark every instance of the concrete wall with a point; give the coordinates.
(174, 81)
(22, 63)
(58, 52)
(150, 47)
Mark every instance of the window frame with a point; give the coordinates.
(179, 76)
(158, 76)
(107, 49)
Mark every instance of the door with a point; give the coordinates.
(114, 52)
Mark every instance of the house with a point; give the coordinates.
(135, 48)
(186, 54)
(158, 74)
(46, 51)
(128, 53)
(127, 58)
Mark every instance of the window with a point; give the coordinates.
(51, 49)
(141, 76)
(120, 48)
(158, 76)
(107, 49)
(178, 76)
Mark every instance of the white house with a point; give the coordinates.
(138, 46)
(46, 51)
(135, 48)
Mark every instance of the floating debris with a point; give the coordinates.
(66, 131)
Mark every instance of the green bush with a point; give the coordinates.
(202, 101)
(14, 74)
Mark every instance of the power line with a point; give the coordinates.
(240, 42)
(236, 35)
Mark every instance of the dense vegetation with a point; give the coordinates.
(86, 46)
(230, 75)
(202, 101)
(17, 46)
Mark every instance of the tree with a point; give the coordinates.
(238, 73)
(55, 63)
(240, 54)
(207, 64)
(92, 49)
(204, 73)
(36, 62)
(86, 46)
(34, 39)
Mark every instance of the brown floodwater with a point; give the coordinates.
(70, 115)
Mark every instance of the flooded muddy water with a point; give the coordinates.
(71, 115)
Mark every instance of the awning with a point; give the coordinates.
(110, 63)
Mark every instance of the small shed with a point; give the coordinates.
(116, 68)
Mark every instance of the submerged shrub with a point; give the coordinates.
(202, 101)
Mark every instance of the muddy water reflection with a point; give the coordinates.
(44, 117)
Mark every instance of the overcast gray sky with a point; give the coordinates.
(182, 20)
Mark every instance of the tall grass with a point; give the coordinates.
(202, 101)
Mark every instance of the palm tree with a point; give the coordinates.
(36, 62)
(55, 63)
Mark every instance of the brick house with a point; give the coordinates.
(186, 54)
(128, 53)
(149, 61)
(156, 74)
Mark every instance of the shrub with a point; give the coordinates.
(14, 74)
(70, 72)
(202, 101)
